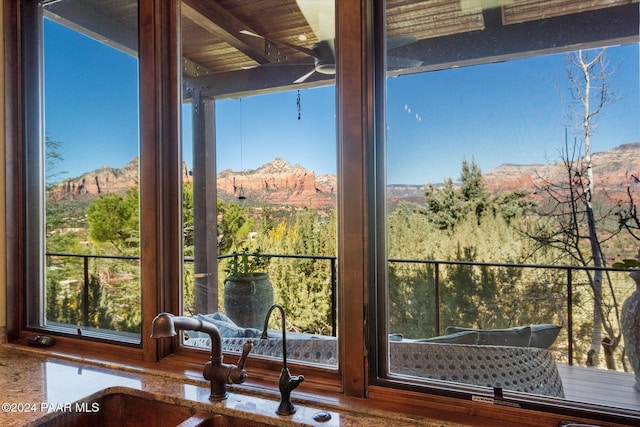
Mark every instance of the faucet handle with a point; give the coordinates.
(236, 374)
(246, 348)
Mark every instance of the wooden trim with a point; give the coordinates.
(553, 412)
(14, 178)
(160, 171)
(354, 146)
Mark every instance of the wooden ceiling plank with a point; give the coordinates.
(86, 20)
(601, 27)
(530, 10)
(211, 16)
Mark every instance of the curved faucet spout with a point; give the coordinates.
(287, 383)
(220, 374)
(284, 331)
(166, 325)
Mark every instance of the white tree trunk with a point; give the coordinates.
(596, 333)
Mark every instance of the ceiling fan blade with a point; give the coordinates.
(305, 77)
(250, 33)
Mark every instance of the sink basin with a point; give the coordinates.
(122, 409)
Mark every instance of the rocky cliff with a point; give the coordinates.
(613, 172)
(276, 182)
(280, 183)
(105, 180)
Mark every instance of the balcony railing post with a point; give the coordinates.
(334, 290)
(570, 315)
(437, 297)
(85, 293)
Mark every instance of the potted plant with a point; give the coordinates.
(248, 292)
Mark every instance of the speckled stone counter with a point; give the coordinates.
(35, 387)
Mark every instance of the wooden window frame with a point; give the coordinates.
(359, 102)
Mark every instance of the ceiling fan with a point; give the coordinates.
(324, 61)
(320, 16)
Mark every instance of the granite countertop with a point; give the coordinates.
(35, 386)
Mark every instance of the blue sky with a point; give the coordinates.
(508, 112)
(254, 130)
(91, 105)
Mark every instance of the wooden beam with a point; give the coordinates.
(602, 27)
(254, 81)
(209, 15)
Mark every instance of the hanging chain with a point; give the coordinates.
(298, 105)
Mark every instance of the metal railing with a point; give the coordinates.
(333, 276)
(87, 277)
(568, 271)
(570, 285)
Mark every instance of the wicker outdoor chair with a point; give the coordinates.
(524, 369)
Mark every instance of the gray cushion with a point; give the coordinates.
(516, 337)
(227, 327)
(543, 335)
(395, 337)
(464, 337)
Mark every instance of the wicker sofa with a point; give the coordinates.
(525, 369)
(456, 356)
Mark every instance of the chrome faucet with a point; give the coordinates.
(218, 373)
(286, 383)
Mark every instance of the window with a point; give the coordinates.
(492, 177)
(83, 264)
(419, 292)
(259, 176)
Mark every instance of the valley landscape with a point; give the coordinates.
(280, 183)
(290, 211)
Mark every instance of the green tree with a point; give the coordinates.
(234, 227)
(115, 219)
(187, 218)
(302, 286)
(443, 205)
(52, 158)
(472, 189)
(449, 205)
(412, 312)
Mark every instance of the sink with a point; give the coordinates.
(122, 409)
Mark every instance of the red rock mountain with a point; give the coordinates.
(280, 183)
(614, 171)
(105, 180)
(276, 182)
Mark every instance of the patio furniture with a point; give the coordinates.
(524, 369)
(466, 356)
